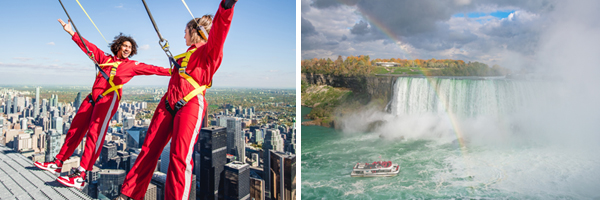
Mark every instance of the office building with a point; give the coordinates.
(159, 180)
(110, 182)
(236, 145)
(136, 136)
(22, 142)
(54, 142)
(36, 108)
(213, 150)
(237, 181)
(257, 188)
(77, 102)
(281, 182)
(165, 157)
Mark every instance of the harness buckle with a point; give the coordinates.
(179, 104)
(91, 100)
(99, 97)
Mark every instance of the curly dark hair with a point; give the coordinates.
(118, 41)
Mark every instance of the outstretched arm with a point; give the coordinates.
(216, 37)
(146, 69)
(97, 54)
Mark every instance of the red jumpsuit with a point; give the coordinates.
(95, 114)
(183, 128)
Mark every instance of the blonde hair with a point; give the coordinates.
(192, 27)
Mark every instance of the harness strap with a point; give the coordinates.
(198, 89)
(113, 72)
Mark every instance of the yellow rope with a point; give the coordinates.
(202, 32)
(91, 20)
(188, 9)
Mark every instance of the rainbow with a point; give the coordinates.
(430, 79)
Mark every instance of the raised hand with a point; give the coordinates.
(67, 27)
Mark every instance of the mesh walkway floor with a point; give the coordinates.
(19, 179)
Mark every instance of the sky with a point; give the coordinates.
(511, 33)
(260, 50)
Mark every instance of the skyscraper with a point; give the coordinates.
(159, 179)
(259, 136)
(8, 109)
(108, 151)
(165, 157)
(273, 140)
(44, 107)
(15, 105)
(23, 123)
(51, 101)
(136, 136)
(221, 120)
(236, 145)
(54, 144)
(213, 150)
(237, 181)
(128, 123)
(77, 101)
(257, 188)
(282, 179)
(36, 108)
(57, 123)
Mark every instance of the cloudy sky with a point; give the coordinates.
(507, 32)
(260, 50)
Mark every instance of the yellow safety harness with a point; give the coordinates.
(198, 89)
(113, 72)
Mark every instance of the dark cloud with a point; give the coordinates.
(326, 3)
(427, 26)
(360, 28)
(442, 39)
(307, 29)
(406, 18)
(333, 3)
(304, 6)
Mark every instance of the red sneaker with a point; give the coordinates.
(55, 167)
(76, 179)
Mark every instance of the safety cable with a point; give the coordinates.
(82, 41)
(164, 46)
(91, 21)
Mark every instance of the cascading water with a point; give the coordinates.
(465, 98)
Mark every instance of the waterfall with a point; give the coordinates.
(465, 98)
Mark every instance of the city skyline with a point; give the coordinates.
(39, 137)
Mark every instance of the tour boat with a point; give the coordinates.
(375, 169)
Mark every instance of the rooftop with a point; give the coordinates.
(237, 165)
(19, 179)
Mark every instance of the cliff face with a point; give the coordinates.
(378, 87)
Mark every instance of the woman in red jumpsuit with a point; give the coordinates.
(98, 107)
(178, 118)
